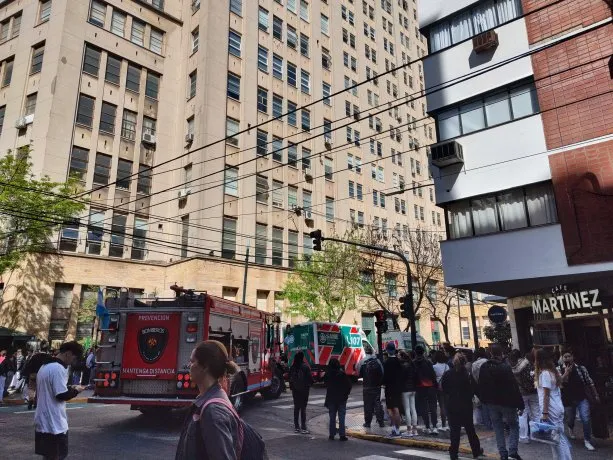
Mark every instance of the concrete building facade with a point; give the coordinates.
(105, 89)
(527, 187)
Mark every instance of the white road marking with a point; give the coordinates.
(377, 457)
(355, 403)
(311, 402)
(424, 454)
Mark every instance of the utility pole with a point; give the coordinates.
(473, 318)
(460, 317)
(408, 301)
(245, 276)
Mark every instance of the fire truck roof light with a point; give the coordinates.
(179, 376)
(179, 385)
(185, 384)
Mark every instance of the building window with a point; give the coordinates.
(304, 10)
(305, 81)
(231, 181)
(45, 11)
(95, 231)
(330, 209)
(91, 61)
(261, 189)
(2, 113)
(277, 105)
(291, 74)
(234, 43)
(124, 173)
(144, 180)
(262, 59)
(277, 149)
(152, 85)
(263, 19)
(292, 37)
(262, 99)
(292, 197)
(328, 168)
(292, 155)
(304, 45)
(326, 90)
(465, 24)
(234, 86)
(102, 169)
(261, 243)
(139, 235)
(118, 234)
(277, 246)
(277, 67)
(277, 194)
(138, 32)
(306, 158)
(113, 69)
(523, 207)
(38, 53)
(107, 117)
(85, 110)
(306, 119)
(236, 7)
(193, 78)
(97, 13)
(306, 200)
(184, 236)
(291, 113)
(228, 238)
(79, 158)
(156, 40)
(277, 28)
(232, 129)
(133, 78)
(292, 248)
(128, 125)
(8, 72)
(30, 106)
(118, 23)
(325, 25)
(149, 126)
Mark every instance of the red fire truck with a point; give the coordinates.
(144, 353)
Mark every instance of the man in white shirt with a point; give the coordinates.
(51, 423)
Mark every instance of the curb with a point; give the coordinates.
(22, 402)
(422, 444)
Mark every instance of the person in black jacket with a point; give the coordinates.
(458, 390)
(392, 379)
(499, 391)
(426, 389)
(338, 389)
(300, 381)
(409, 379)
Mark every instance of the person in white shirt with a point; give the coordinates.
(50, 421)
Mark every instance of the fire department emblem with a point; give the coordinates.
(152, 342)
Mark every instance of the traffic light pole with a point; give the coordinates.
(408, 299)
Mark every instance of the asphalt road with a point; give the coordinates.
(115, 432)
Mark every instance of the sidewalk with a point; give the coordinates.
(355, 418)
(16, 399)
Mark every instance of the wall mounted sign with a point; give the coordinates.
(572, 302)
(497, 314)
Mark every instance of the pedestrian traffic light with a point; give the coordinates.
(405, 307)
(317, 239)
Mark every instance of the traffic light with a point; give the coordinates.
(381, 321)
(317, 239)
(403, 312)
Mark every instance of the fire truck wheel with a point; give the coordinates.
(275, 388)
(237, 387)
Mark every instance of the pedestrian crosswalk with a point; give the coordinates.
(284, 402)
(411, 454)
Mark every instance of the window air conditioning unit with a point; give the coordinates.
(189, 138)
(184, 192)
(446, 154)
(328, 142)
(23, 122)
(378, 128)
(149, 138)
(485, 41)
(308, 174)
(356, 115)
(308, 215)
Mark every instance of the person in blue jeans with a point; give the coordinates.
(338, 387)
(577, 384)
(499, 391)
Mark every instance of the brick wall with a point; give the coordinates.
(575, 88)
(583, 184)
(562, 17)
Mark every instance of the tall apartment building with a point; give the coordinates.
(525, 160)
(104, 89)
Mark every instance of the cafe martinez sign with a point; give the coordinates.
(570, 302)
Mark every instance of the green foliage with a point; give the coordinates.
(87, 309)
(30, 208)
(499, 334)
(326, 286)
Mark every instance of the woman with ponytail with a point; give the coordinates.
(548, 381)
(212, 428)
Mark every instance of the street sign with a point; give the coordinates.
(497, 314)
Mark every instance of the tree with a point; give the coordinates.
(499, 333)
(30, 208)
(443, 308)
(325, 285)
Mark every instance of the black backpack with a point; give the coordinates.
(373, 374)
(297, 379)
(249, 443)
